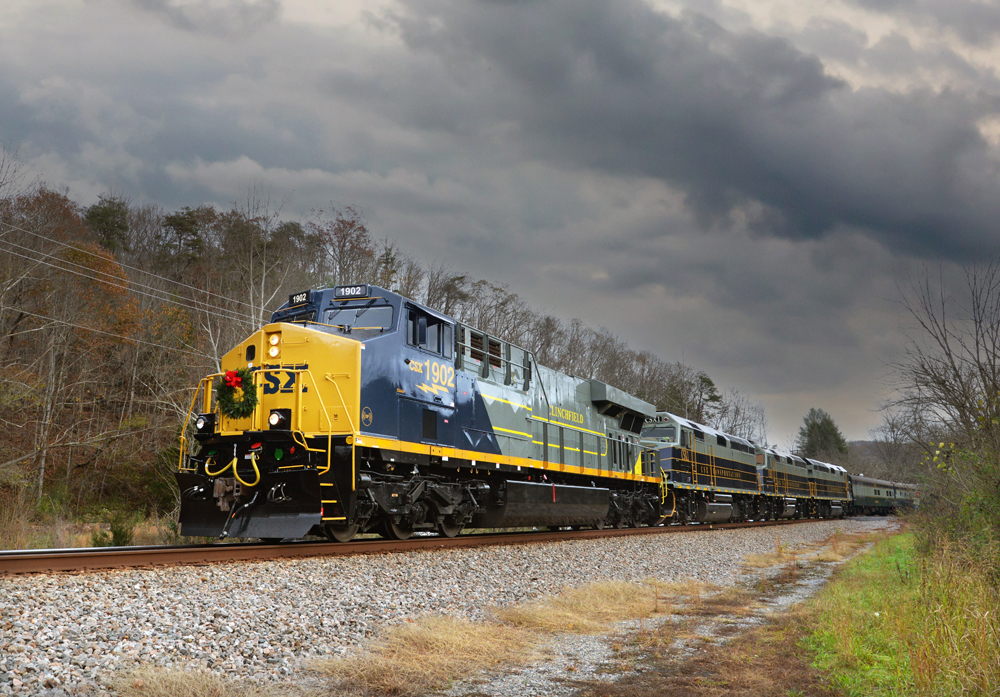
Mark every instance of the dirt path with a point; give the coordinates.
(721, 641)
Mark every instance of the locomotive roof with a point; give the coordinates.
(603, 392)
(705, 429)
(327, 296)
(832, 467)
(797, 459)
(871, 480)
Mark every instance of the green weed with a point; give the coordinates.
(895, 623)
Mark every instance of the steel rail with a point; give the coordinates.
(88, 559)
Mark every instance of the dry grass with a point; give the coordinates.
(840, 546)
(175, 682)
(765, 661)
(432, 652)
(429, 654)
(156, 530)
(836, 548)
(728, 601)
(781, 555)
(593, 608)
(14, 522)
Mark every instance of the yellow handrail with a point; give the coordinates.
(206, 382)
(187, 421)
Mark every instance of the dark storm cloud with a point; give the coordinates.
(741, 122)
(233, 17)
(975, 21)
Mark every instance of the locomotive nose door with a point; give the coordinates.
(427, 402)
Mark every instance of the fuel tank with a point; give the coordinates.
(530, 504)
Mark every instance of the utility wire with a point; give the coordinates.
(116, 336)
(226, 314)
(111, 278)
(132, 268)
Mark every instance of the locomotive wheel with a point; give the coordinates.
(599, 525)
(446, 529)
(341, 533)
(396, 531)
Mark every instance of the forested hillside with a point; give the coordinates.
(111, 313)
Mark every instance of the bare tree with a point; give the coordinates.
(350, 253)
(446, 290)
(545, 338)
(741, 416)
(949, 380)
(261, 270)
(410, 278)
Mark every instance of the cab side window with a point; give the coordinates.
(429, 333)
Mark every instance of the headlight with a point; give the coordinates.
(273, 352)
(279, 418)
(205, 423)
(274, 339)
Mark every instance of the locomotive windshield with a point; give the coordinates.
(668, 431)
(363, 318)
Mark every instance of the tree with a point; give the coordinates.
(949, 380)
(741, 416)
(108, 220)
(183, 237)
(446, 291)
(819, 436)
(949, 407)
(350, 255)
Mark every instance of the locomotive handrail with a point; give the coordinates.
(326, 413)
(187, 421)
(298, 411)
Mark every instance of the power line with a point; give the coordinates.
(116, 282)
(116, 336)
(226, 314)
(132, 268)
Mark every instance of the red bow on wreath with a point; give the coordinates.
(233, 380)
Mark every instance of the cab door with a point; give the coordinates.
(427, 402)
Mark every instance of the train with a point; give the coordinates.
(714, 476)
(357, 410)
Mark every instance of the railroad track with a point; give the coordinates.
(86, 559)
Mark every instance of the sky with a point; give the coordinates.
(747, 187)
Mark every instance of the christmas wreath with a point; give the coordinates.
(237, 396)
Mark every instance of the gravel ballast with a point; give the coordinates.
(70, 634)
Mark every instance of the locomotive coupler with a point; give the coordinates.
(226, 491)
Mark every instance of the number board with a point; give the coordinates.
(298, 298)
(350, 291)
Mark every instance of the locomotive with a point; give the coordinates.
(713, 476)
(370, 412)
(376, 413)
